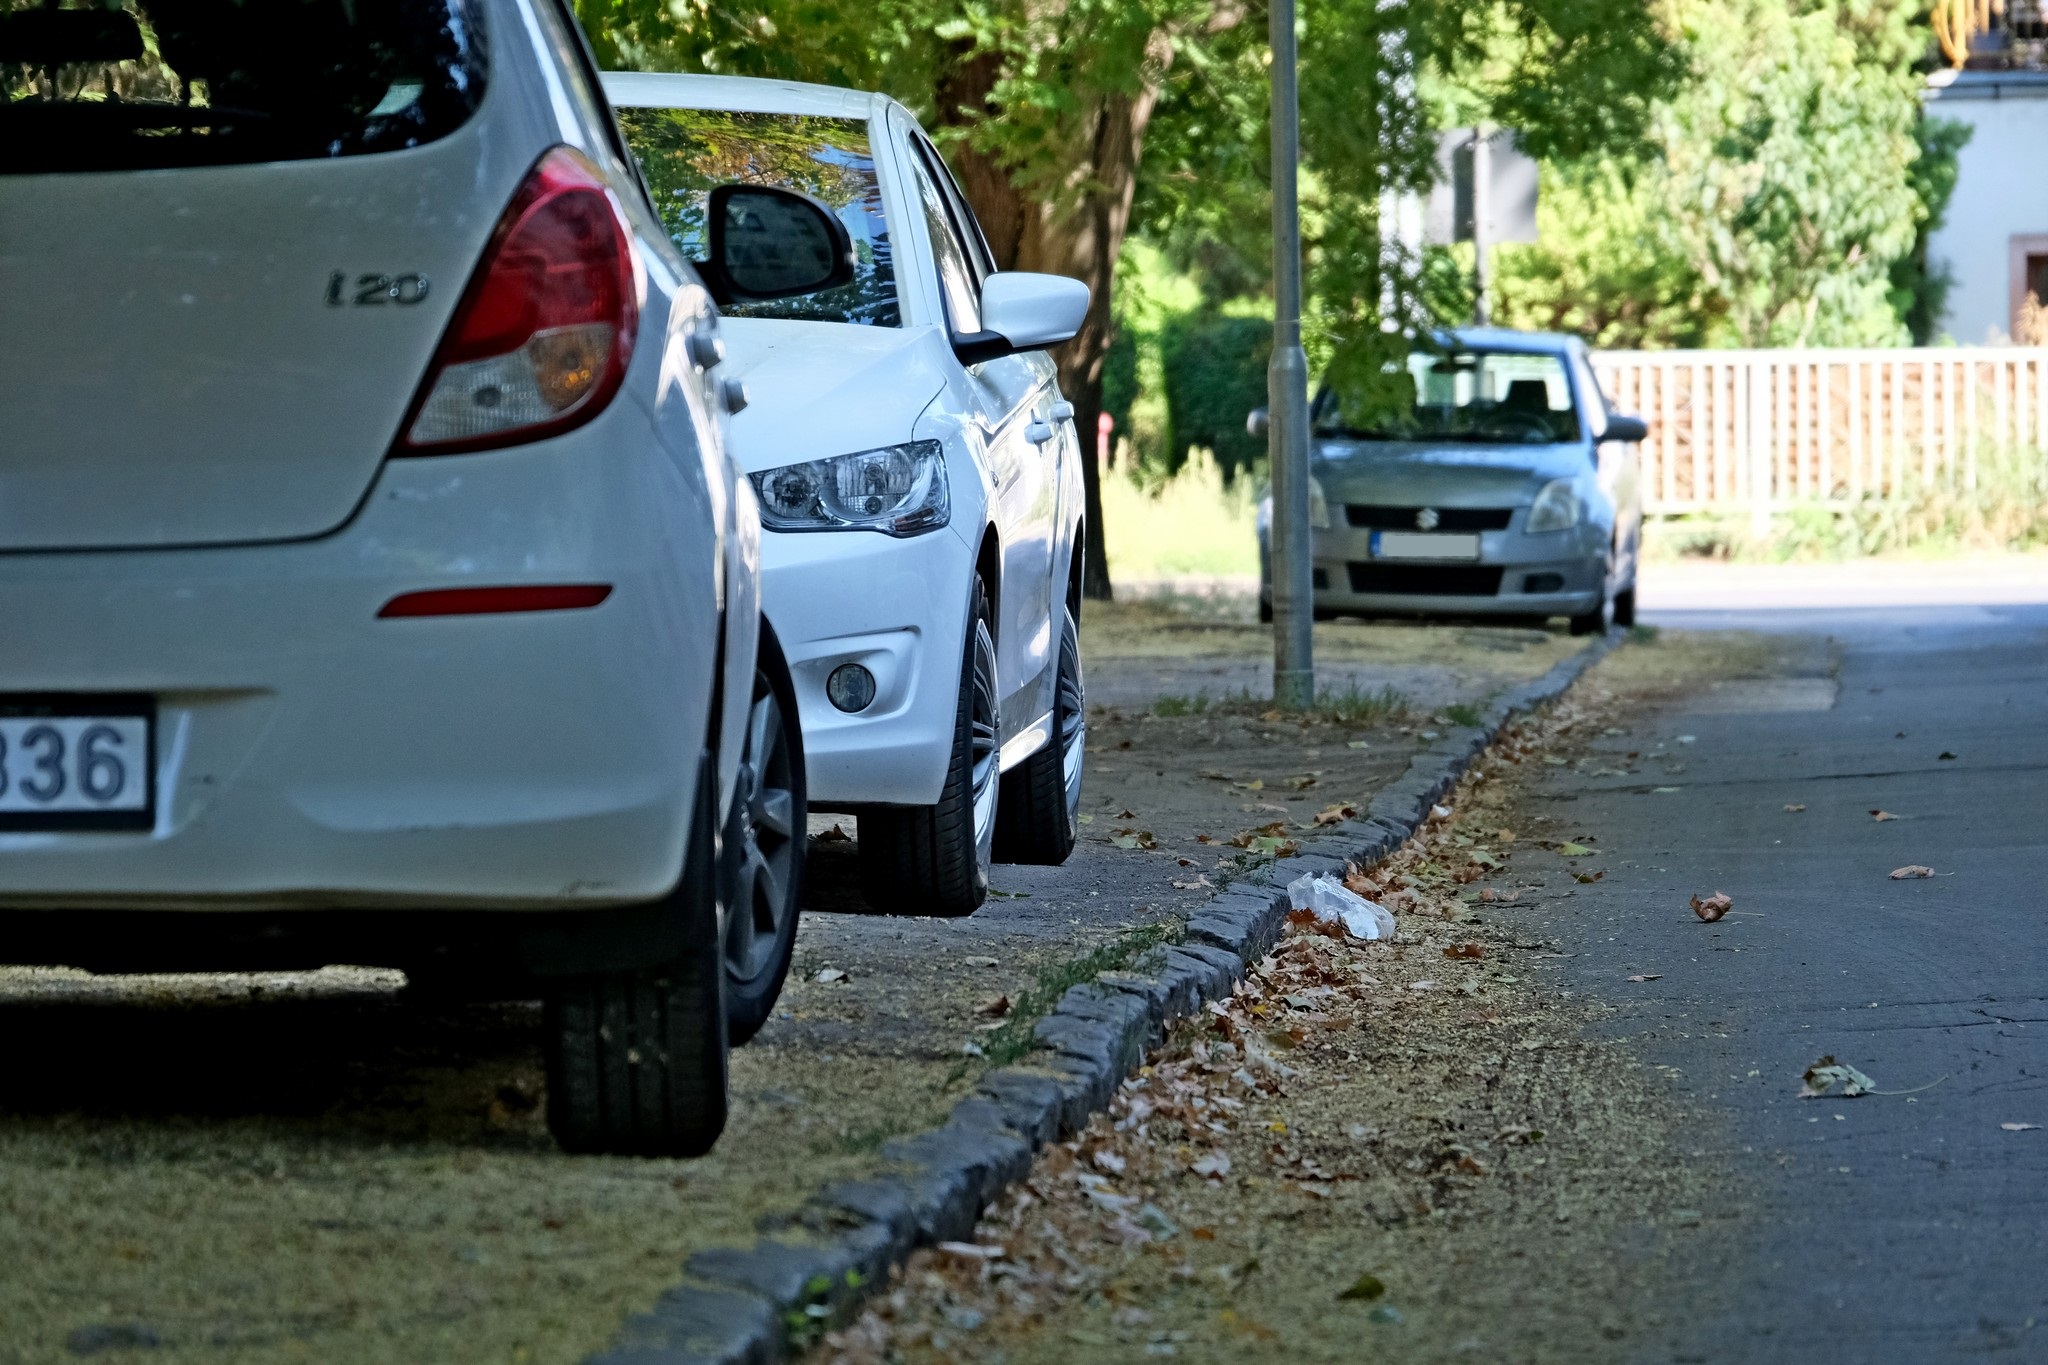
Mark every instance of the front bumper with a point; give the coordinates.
(899, 609)
(1559, 573)
(312, 756)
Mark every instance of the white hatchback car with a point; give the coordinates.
(376, 586)
(919, 480)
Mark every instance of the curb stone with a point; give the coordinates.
(736, 1305)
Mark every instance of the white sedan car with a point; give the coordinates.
(919, 481)
(377, 589)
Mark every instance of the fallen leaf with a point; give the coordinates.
(1571, 850)
(1882, 815)
(1205, 838)
(1587, 878)
(1827, 1073)
(1257, 784)
(1713, 907)
(1553, 760)
(1134, 838)
(1796, 809)
(1506, 836)
(1364, 1289)
(972, 1251)
(1214, 1166)
(829, 975)
(1422, 985)
(2019, 1127)
(1648, 976)
(834, 835)
(996, 1008)
(1202, 1234)
(1659, 791)
(1200, 882)
(1358, 744)
(1439, 812)
(1302, 784)
(1687, 739)
(1335, 815)
(1945, 756)
(1911, 872)
(1472, 950)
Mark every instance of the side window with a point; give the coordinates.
(978, 254)
(957, 281)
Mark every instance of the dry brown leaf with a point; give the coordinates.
(1648, 976)
(1472, 950)
(1882, 815)
(1713, 907)
(1911, 872)
(996, 1008)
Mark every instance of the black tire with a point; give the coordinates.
(1037, 816)
(933, 860)
(1265, 610)
(765, 844)
(636, 1060)
(1593, 622)
(1625, 606)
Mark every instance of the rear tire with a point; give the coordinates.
(1625, 606)
(767, 843)
(636, 1060)
(934, 860)
(1037, 817)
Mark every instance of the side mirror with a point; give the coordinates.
(769, 243)
(1257, 423)
(1023, 311)
(1622, 427)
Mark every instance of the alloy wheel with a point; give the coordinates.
(762, 900)
(1072, 710)
(984, 742)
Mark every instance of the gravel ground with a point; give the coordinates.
(319, 1167)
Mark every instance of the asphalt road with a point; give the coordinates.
(1888, 1227)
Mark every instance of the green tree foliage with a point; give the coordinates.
(1786, 188)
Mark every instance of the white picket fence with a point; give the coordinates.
(1758, 430)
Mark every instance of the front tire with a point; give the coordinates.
(1038, 817)
(767, 844)
(934, 860)
(636, 1060)
(1593, 622)
(1625, 606)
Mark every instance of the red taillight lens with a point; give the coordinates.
(541, 339)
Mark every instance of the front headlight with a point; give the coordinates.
(1318, 509)
(1556, 507)
(897, 490)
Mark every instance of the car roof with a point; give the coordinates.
(740, 94)
(1507, 339)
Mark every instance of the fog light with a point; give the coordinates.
(850, 688)
(1543, 582)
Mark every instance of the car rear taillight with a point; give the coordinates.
(541, 338)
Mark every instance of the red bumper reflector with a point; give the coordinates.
(493, 601)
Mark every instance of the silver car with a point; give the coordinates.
(1495, 481)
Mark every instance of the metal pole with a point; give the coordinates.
(1294, 670)
(1482, 228)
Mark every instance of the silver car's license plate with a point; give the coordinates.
(1424, 545)
(76, 763)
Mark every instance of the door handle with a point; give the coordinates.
(1063, 411)
(1038, 433)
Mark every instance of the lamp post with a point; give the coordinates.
(1294, 672)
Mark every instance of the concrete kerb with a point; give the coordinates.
(752, 1305)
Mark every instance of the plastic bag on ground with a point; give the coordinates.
(1332, 902)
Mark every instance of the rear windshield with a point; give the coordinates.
(162, 83)
(686, 153)
(1490, 397)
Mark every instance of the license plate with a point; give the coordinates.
(1421, 545)
(77, 763)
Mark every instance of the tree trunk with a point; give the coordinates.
(1080, 238)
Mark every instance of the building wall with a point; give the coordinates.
(2001, 193)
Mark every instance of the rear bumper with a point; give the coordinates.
(310, 755)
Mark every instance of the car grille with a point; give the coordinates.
(1426, 580)
(1447, 518)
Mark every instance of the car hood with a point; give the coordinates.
(827, 388)
(1402, 474)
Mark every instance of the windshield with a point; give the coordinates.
(1499, 397)
(685, 153)
(153, 84)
